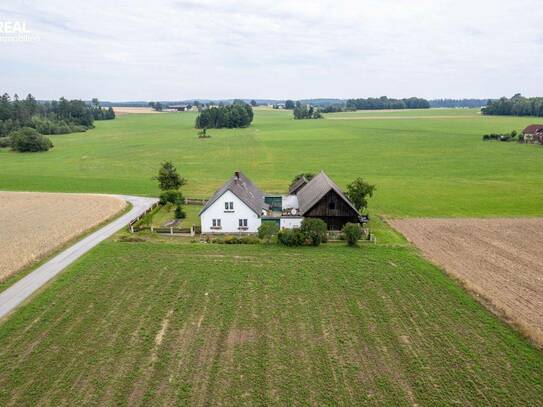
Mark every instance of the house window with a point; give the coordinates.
(243, 223)
(332, 205)
(216, 224)
(229, 206)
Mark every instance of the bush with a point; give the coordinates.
(291, 237)
(171, 196)
(267, 230)
(352, 232)
(5, 142)
(28, 139)
(314, 231)
(237, 240)
(179, 212)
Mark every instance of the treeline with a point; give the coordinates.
(236, 115)
(55, 117)
(458, 103)
(518, 105)
(386, 103)
(306, 112)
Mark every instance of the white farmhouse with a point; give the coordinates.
(235, 208)
(239, 206)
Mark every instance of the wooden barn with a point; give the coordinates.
(322, 198)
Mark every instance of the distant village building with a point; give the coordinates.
(533, 134)
(239, 206)
(179, 108)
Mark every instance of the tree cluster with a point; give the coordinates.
(312, 232)
(28, 140)
(504, 136)
(55, 117)
(518, 105)
(231, 116)
(387, 103)
(169, 181)
(156, 106)
(358, 193)
(306, 112)
(101, 113)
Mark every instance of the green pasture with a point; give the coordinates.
(424, 162)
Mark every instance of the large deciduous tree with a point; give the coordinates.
(358, 191)
(168, 178)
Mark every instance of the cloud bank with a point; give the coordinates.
(148, 50)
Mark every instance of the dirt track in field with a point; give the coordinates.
(499, 259)
(34, 224)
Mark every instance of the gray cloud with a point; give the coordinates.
(213, 49)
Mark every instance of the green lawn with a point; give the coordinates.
(424, 162)
(166, 213)
(166, 322)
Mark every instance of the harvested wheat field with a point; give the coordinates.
(131, 110)
(34, 224)
(498, 259)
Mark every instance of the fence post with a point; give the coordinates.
(192, 230)
(171, 231)
(152, 228)
(131, 228)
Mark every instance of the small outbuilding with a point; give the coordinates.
(533, 134)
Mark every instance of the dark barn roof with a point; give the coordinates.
(533, 129)
(315, 189)
(244, 189)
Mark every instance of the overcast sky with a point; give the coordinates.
(174, 50)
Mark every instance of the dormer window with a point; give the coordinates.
(229, 206)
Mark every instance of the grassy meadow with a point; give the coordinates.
(194, 324)
(424, 162)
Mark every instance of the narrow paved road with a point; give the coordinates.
(25, 287)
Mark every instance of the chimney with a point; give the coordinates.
(236, 173)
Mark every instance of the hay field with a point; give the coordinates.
(34, 224)
(498, 259)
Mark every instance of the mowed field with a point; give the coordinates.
(35, 224)
(424, 162)
(167, 322)
(499, 259)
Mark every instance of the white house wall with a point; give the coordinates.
(229, 219)
(290, 223)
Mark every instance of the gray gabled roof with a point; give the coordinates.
(315, 189)
(244, 189)
(298, 185)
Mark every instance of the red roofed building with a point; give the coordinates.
(533, 134)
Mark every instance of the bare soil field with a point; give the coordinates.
(498, 259)
(130, 110)
(34, 224)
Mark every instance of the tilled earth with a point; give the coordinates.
(499, 259)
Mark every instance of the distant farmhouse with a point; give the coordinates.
(178, 108)
(533, 134)
(239, 206)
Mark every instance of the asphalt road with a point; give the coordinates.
(25, 287)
